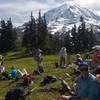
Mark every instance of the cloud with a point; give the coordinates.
(97, 12)
(24, 6)
(19, 10)
(84, 2)
(93, 4)
(96, 5)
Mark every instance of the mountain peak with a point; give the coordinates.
(69, 14)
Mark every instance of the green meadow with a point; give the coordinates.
(21, 60)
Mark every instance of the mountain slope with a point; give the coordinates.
(65, 16)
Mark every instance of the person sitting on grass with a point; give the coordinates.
(26, 80)
(2, 68)
(13, 72)
(77, 62)
(78, 59)
(87, 85)
(1, 59)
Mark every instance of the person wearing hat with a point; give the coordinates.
(77, 62)
(38, 57)
(78, 59)
(87, 85)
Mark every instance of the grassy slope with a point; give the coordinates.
(20, 61)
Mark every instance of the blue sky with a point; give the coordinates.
(19, 10)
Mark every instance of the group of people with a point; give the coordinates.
(88, 87)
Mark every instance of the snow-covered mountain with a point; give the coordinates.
(65, 16)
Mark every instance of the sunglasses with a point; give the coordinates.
(83, 69)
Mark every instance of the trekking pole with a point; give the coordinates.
(30, 91)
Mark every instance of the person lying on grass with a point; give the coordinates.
(13, 72)
(87, 85)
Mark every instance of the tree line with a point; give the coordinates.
(8, 36)
(36, 35)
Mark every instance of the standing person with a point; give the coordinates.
(87, 85)
(62, 55)
(38, 57)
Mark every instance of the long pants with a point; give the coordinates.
(62, 61)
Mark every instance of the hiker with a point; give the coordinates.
(13, 72)
(38, 57)
(95, 62)
(2, 69)
(26, 80)
(87, 56)
(18, 93)
(87, 85)
(1, 59)
(78, 59)
(62, 55)
(77, 62)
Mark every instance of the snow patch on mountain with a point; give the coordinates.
(65, 16)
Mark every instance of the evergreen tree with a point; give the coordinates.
(33, 33)
(83, 39)
(11, 35)
(8, 36)
(2, 35)
(75, 40)
(92, 39)
(43, 37)
(68, 41)
(30, 35)
(26, 39)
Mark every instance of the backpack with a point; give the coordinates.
(36, 72)
(26, 81)
(17, 93)
(48, 79)
(6, 75)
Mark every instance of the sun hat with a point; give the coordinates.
(78, 55)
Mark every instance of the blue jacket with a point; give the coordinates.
(78, 61)
(88, 87)
(13, 73)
